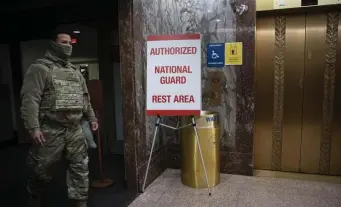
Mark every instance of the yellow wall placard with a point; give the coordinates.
(263, 5)
(234, 53)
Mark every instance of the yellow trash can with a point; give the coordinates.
(192, 171)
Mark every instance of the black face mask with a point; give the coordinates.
(62, 51)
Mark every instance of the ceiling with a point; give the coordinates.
(38, 23)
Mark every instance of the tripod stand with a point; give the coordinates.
(157, 125)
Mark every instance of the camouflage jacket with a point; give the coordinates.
(36, 91)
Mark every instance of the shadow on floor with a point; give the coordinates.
(13, 178)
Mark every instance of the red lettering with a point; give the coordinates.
(183, 99)
(177, 50)
(173, 51)
(161, 98)
(193, 50)
(173, 80)
(173, 69)
(152, 51)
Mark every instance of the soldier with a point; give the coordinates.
(54, 99)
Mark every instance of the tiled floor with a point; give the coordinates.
(240, 191)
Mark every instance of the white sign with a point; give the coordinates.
(174, 75)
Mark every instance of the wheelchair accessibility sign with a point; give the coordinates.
(216, 55)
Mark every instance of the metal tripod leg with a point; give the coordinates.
(157, 124)
(200, 152)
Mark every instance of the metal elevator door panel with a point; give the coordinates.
(321, 144)
(313, 92)
(321, 133)
(298, 93)
(293, 92)
(279, 92)
(265, 32)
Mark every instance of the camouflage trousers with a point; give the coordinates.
(60, 142)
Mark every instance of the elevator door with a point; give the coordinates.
(298, 93)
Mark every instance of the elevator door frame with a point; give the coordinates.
(276, 133)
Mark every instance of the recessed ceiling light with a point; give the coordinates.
(76, 31)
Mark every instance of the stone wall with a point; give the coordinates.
(227, 90)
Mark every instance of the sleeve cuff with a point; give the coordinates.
(34, 129)
(93, 119)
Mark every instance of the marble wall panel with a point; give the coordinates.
(218, 22)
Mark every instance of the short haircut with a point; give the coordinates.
(60, 30)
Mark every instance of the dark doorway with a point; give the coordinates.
(26, 39)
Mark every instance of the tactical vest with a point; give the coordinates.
(63, 90)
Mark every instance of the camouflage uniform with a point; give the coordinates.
(88, 134)
(53, 101)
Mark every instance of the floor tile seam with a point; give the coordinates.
(156, 183)
(284, 188)
(237, 202)
(295, 181)
(286, 191)
(290, 193)
(164, 192)
(273, 185)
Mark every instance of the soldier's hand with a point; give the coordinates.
(38, 137)
(94, 126)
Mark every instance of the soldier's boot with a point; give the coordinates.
(79, 203)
